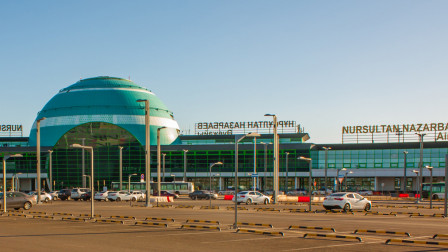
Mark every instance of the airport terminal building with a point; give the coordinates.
(104, 112)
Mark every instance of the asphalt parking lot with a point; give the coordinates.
(52, 233)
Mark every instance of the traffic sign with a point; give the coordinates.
(142, 178)
(254, 175)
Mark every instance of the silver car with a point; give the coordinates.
(252, 197)
(347, 201)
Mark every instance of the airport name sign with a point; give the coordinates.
(10, 127)
(229, 128)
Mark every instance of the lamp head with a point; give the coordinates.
(76, 145)
(252, 134)
(142, 100)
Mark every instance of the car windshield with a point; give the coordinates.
(337, 194)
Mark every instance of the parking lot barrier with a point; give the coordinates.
(208, 207)
(308, 227)
(42, 217)
(66, 214)
(167, 206)
(31, 212)
(203, 221)
(15, 211)
(333, 236)
(150, 223)
(417, 242)
(201, 227)
(440, 235)
(259, 232)
(381, 232)
(159, 219)
(268, 209)
(110, 221)
(16, 214)
(378, 213)
(88, 215)
(184, 206)
(339, 212)
(426, 215)
(298, 210)
(123, 217)
(403, 213)
(239, 208)
(73, 219)
(255, 224)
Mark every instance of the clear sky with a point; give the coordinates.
(324, 64)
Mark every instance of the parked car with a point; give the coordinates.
(140, 195)
(202, 194)
(321, 191)
(86, 196)
(77, 192)
(54, 195)
(297, 192)
(45, 197)
(65, 194)
(102, 195)
(122, 195)
(18, 200)
(252, 197)
(365, 192)
(347, 201)
(166, 193)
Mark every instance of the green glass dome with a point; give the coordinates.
(107, 100)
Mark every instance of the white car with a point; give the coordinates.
(140, 195)
(54, 195)
(77, 192)
(43, 196)
(347, 201)
(122, 195)
(252, 197)
(102, 196)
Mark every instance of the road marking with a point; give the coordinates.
(330, 246)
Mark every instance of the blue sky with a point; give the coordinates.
(325, 64)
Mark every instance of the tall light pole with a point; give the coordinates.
(420, 164)
(147, 152)
(50, 168)
(92, 188)
(5, 157)
(286, 177)
(445, 201)
(13, 181)
(238, 138)
(348, 172)
(310, 162)
(185, 164)
(38, 157)
(430, 187)
(163, 165)
(83, 166)
(265, 165)
(210, 175)
(276, 158)
(120, 148)
(158, 159)
(338, 187)
(404, 171)
(417, 174)
(255, 164)
(129, 181)
(326, 167)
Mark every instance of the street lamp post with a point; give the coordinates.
(265, 165)
(417, 174)
(158, 159)
(163, 165)
(50, 167)
(404, 171)
(338, 187)
(255, 164)
(276, 158)
(13, 181)
(210, 175)
(121, 166)
(326, 167)
(238, 138)
(430, 187)
(310, 162)
(90, 148)
(420, 164)
(286, 176)
(348, 172)
(38, 157)
(185, 164)
(129, 181)
(5, 157)
(147, 151)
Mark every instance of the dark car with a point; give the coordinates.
(18, 200)
(86, 196)
(166, 194)
(202, 195)
(65, 194)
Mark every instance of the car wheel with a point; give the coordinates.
(76, 199)
(327, 208)
(435, 197)
(27, 205)
(248, 201)
(266, 201)
(346, 207)
(134, 199)
(194, 198)
(118, 199)
(367, 207)
(207, 198)
(69, 198)
(46, 200)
